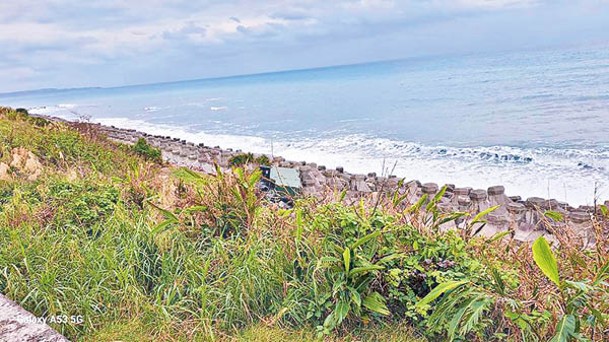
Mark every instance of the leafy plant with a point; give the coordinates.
(464, 309)
(576, 297)
(350, 272)
(248, 158)
(145, 150)
(224, 208)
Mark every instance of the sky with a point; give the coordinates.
(75, 43)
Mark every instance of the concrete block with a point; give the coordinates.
(579, 217)
(534, 202)
(478, 195)
(462, 191)
(430, 188)
(496, 190)
(464, 200)
(516, 208)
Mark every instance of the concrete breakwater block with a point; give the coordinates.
(496, 190)
(463, 191)
(430, 188)
(478, 195)
(526, 218)
(534, 202)
(579, 217)
(516, 208)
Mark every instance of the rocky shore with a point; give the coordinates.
(524, 218)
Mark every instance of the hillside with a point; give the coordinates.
(144, 250)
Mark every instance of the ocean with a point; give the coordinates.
(536, 122)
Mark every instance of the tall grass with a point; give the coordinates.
(144, 251)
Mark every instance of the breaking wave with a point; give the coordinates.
(567, 174)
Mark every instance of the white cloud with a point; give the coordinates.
(127, 36)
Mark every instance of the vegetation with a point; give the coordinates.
(248, 158)
(146, 151)
(144, 251)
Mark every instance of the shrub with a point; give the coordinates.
(248, 158)
(217, 261)
(263, 160)
(81, 205)
(145, 150)
(241, 159)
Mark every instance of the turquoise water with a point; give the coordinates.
(536, 122)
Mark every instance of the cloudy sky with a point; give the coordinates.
(74, 43)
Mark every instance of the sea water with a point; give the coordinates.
(536, 122)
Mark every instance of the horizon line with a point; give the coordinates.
(275, 72)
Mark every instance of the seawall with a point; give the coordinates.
(524, 218)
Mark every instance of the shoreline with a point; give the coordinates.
(569, 173)
(523, 216)
(572, 174)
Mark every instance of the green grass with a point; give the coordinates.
(147, 252)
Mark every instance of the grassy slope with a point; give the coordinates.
(148, 252)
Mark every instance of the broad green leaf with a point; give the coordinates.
(598, 316)
(355, 296)
(299, 225)
(434, 201)
(342, 196)
(347, 259)
(604, 210)
(602, 274)
(417, 206)
(439, 290)
(188, 175)
(454, 322)
(342, 310)
(440, 194)
(330, 321)
(391, 257)
(545, 260)
(366, 239)
(328, 260)
(554, 215)
(498, 281)
(451, 217)
(376, 303)
(578, 285)
(566, 329)
(479, 217)
(498, 236)
(357, 270)
(195, 208)
(166, 213)
(161, 227)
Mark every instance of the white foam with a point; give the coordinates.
(550, 173)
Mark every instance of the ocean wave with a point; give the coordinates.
(567, 174)
(151, 109)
